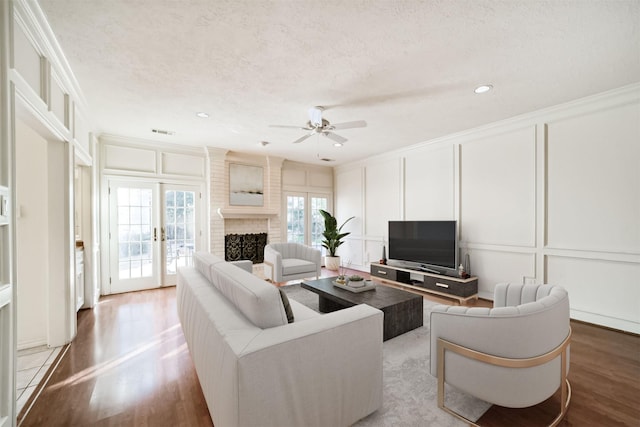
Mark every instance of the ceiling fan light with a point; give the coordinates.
(338, 144)
(483, 89)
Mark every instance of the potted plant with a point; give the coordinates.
(332, 239)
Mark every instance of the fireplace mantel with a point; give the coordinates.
(236, 213)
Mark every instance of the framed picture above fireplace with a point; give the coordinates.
(246, 185)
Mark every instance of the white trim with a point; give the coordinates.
(616, 97)
(36, 23)
(124, 141)
(607, 321)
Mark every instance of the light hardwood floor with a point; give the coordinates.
(130, 366)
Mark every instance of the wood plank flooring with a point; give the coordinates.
(130, 366)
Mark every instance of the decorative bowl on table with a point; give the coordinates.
(356, 281)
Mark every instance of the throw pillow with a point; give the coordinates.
(287, 306)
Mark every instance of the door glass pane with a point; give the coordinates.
(317, 222)
(295, 219)
(179, 223)
(134, 232)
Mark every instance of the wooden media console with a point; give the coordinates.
(446, 286)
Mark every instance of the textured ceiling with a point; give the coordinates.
(407, 67)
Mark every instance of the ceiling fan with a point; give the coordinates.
(317, 125)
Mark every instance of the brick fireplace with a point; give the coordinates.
(226, 219)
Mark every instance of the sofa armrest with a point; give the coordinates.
(317, 372)
(273, 262)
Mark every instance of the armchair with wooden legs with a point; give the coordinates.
(290, 261)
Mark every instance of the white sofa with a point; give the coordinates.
(290, 261)
(515, 354)
(256, 369)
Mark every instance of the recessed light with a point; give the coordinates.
(483, 89)
(202, 115)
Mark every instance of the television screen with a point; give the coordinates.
(432, 243)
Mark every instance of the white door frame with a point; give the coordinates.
(108, 268)
(170, 279)
(307, 209)
(116, 284)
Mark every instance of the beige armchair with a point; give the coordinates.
(290, 261)
(514, 355)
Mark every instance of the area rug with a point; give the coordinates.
(410, 394)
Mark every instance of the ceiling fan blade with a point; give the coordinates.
(315, 116)
(289, 127)
(349, 125)
(335, 137)
(299, 140)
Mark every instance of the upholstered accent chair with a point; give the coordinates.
(291, 261)
(515, 354)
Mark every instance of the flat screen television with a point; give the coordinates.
(428, 245)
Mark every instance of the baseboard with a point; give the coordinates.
(608, 322)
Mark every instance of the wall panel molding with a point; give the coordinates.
(182, 165)
(430, 173)
(495, 266)
(128, 157)
(606, 291)
(382, 177)
(593, 173)
(498, 189)
(506, 180)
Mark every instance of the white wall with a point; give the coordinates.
(548, 197)
(44, 238)
(32, 230)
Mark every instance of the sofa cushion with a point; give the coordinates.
(286, 305)
(258, 300)
(203, 261)
(296, 266)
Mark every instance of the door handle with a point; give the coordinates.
(162, 233)
(155, 234)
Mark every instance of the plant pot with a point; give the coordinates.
(332, 262)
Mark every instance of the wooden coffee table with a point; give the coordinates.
(402, 310)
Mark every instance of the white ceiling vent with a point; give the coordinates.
(162, 131)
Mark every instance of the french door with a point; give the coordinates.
(180, 228)
(304, 222)
(154, 228)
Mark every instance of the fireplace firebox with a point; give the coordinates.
(245, 246)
